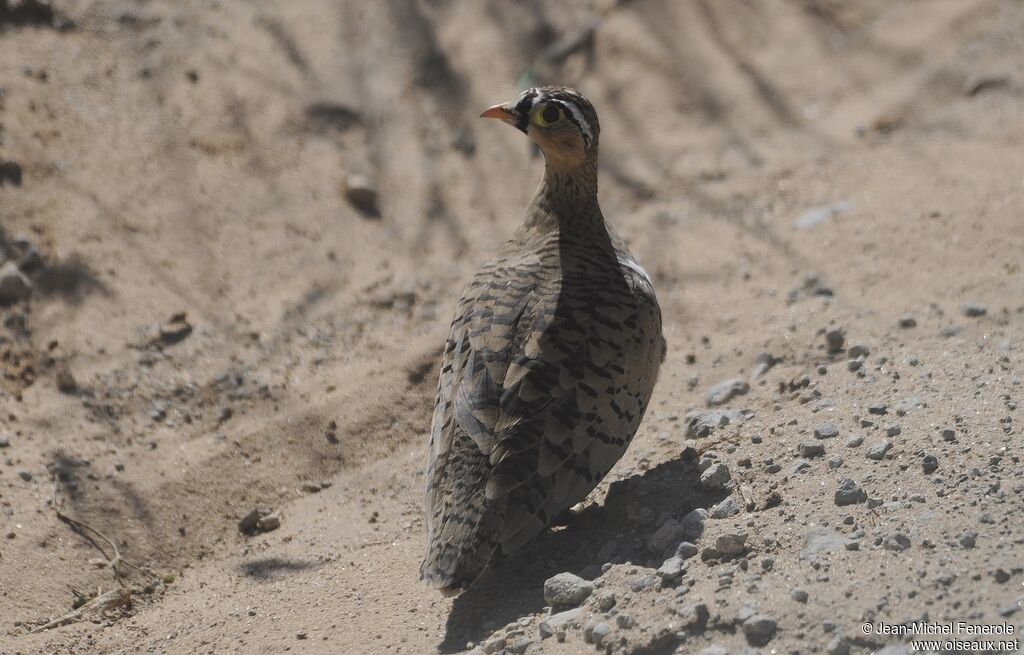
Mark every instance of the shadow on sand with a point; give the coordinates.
(512, 586)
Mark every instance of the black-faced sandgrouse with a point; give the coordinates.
(550, 362)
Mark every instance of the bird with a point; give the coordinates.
(550, 361)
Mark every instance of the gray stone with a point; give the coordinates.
(14, 286)
(670, 570)
(693, 523)
(854, 441)
(849, 493)
(566, 590)
(5, 442)
(725, 391)
(825, 431)
(878, 409)
(606, 600)
(930, 464)
(731, 543)
(950, 331)
(906, 322)
(972, 310)
(686, 550)
(811, 449)
(694, 616)
(878, 450)
(25, 475)
(838, 645)
(558, 622)
(801, 465)
(835, 461)
(968, 539)
(715, 476)
(269, 522)
(596, 632)
(821, 541)
(857, 352)
(714, 650)
(669, 534)
(893, 430)
(896, 542)
(725, 509)
(703, 423)
(799, 595)
(907, 405)
(362, 195)
(834, 340)
(759, 629)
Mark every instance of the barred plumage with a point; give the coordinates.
(550, 361)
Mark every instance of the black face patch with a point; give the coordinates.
(523, 111)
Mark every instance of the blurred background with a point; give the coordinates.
(233, 234)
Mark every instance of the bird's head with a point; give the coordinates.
(558, 119)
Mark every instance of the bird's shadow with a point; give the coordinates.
(616, 532)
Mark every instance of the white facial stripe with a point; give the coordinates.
(578, 115)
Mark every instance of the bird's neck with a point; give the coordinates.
(566, 200)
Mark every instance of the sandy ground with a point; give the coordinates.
(160, 158)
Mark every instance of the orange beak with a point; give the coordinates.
(499, 112)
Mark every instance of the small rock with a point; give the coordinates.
(972, 310)
(759, 629)
(362, 195)
(670, 570)
(906, 322)
(1000, 576)
(693, 523)
(838, 645)
(725, 509)
(14, 286)
(825, 431)
(878, 451)
(731, 543)
(801, 465)
(694, 616)
(821, 541)
(950, 331)
(495, 645)
(269, 522)
(835, 461)
(248, 523)
(725, 391)
(834, 340)
(930, 464)
(893, 430)
(849, 493)
(25, 475)
(878, 409)
(5, 442)
(854, 441)
(558, 622)
(702, 423)
(968, 539)
(10, 171)
(595, 633)
(606, 600)
(857, 352)
(65, 380)
(896, 542)
(566, 590)
(310, 487)
(948, 435)
(174, 330)
(686, 550)
(799, 595)
(713, 650)
(669, 533)
(811, 449)
(715, 476)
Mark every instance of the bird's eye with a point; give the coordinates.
(548, 115)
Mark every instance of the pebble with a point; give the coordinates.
(811, 449)
(893, 430)
(834, 340)
(558, 622)
(950, 331)
(972, 310)
(968, 539)
(896, 542)
(702, 423)
(362, 195)
(670, 570)
(725, 391)
(669, 533)
(759, 629)
(858, 352)
(878, 451)
(14, 286)
(25, 475)
(838, 645)
(878, 409)
(686, 550)
(606, 600)
(825, 431)
(930, 464)
(821, 541)
(714, 650)
(495, 645)
(799, 595)
(596, 633)
(835, 461)
(694, 616)
(715, 476)
(731, 543)
(693, 523)
(801, 465)
(849, 493)
(725, 509)
(948, 435)
(906, 322)
(854, 441)
(65, 380)
(269, 522)
(566, 590)
(1001, 576)
(249, 524)
(5, 442)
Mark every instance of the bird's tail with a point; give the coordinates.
(463, 525)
